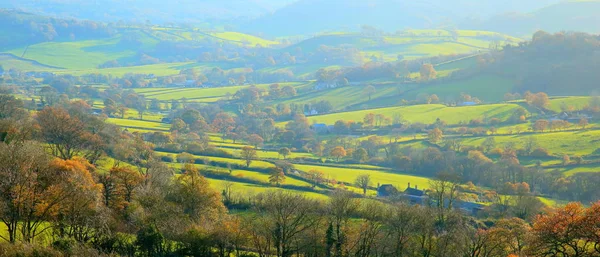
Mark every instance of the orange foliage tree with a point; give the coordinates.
(569, 231)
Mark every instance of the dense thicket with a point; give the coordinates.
(558, 64)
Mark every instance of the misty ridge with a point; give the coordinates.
(299, 128)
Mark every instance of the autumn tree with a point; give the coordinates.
(248, 155)
(223, 123)
(276, 176)
(255, 140)
(79, 214)
(360, 155)
(316, 177)
(198, 200)
(126, 180)
(66, 135)
(539, 100)
(567, 231)
(363, 181)
(338, 152)
(541, 125)
(435, 135)
(583, 123)
(427, 72)
(284, 152)
(31, 193)
(288, 91)
(369, 119)
(369, 90)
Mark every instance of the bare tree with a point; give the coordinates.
(444, 193)
(288, 216)
(363, 181)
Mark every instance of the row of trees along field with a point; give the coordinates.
(59, 197)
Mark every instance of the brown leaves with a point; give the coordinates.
(571, 231)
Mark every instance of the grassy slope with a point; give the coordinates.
(426, 113)
(9, 62)
(558, 143)
(489, 88)
(578, 103)
(75, 55)
(194, 93)
(241, 37)
(348, 175)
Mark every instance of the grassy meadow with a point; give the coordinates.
(426, 113)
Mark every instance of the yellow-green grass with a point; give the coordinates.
(343, 97)
(245, 190)
(148, 116)
(461, 33)
(85, 54)
(303, 71)
(268, 154)
(462, 63)
(45, 238)
(576, 102)
(202, 93)
(486, 87)
(578, 143)
(349, 175)
(241, 37)
(446, 48)
(9, 62)
(254, 164)
(427, 114)
(419, 50)
(260, 177)
(161, 69)
(572, 170)
(552, 202)
(139, 124)
(104, 164)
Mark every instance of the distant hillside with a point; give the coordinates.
(581, 15)
(558, 64)
(157, 11)
(313, 16)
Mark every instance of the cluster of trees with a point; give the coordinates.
(41, 29)
(57, 190)
(550, 61)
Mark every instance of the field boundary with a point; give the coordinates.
(30, 61)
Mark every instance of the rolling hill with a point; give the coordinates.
(152, 10)
(574, 15)
(389, 15)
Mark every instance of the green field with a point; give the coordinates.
(578, 103)
(348, 175)
(87, 54)
(165, 94)
(344, 97)
(241, 37)
(246, 190)
(427, 114)
(580, 143)
(488, 88)
(139, 124)
(8, 62)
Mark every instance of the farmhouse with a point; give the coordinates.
(415, 196)
(386, 191)
(320, 128)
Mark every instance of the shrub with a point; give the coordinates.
(540, 153)
(166, 158)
